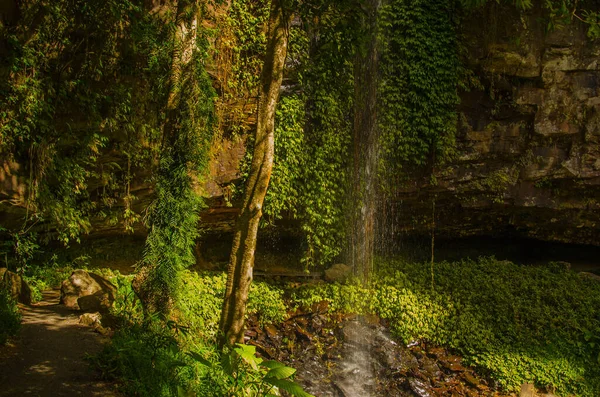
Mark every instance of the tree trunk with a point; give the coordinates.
(365, 146)
(241, 263)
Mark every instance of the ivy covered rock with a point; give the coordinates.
(88, 292)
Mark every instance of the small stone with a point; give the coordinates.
(453, 363)
(90, 319)
(102, 331)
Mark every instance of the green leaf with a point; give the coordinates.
(282, 372)
(271, 364)
(248, 354)
(291, 387)
(227, 364)
(200, 359)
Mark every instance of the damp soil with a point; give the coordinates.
(48, 356)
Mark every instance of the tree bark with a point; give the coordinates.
(241, 263)
(365, 148)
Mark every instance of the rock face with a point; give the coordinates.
(528, 159)
(88, 292)
(18, 288)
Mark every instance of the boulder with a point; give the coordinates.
(97, 302)
(14, 283)
(338, 272)
(99, 293)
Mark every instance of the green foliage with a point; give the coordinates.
(240, 372)
(10, 317)
(558, 13)
(518, 324)
(418, 85)
(69, 98)
(313, 131)
(18, 248)
(146, 358)
(201, 298)
(47, 276)
(158, 357)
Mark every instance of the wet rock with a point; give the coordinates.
(420, 387)
(356, 333)
(17, 287)
(338, 272)
(453, 363)
(436, 352)
(320, 307)
(303, 334)
(103, 331)
(470, 379)
(429, 368)
(83, 284)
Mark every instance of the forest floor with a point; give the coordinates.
(47, 358)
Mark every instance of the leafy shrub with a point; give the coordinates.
(44, 277)
(10, 318)
(240, 372)
(146, 359)
(516, 323)
(126, 308)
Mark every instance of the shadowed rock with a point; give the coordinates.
(87, 291)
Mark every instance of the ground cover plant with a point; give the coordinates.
(515, 323)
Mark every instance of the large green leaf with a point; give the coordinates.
(281, 372)
(271, 364)
(291, 387)
(248, 354)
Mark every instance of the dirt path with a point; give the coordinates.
(48, 356)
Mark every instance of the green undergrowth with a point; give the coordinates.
(154, 356)
(42, 277)
(10, 318)
(515, 323)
